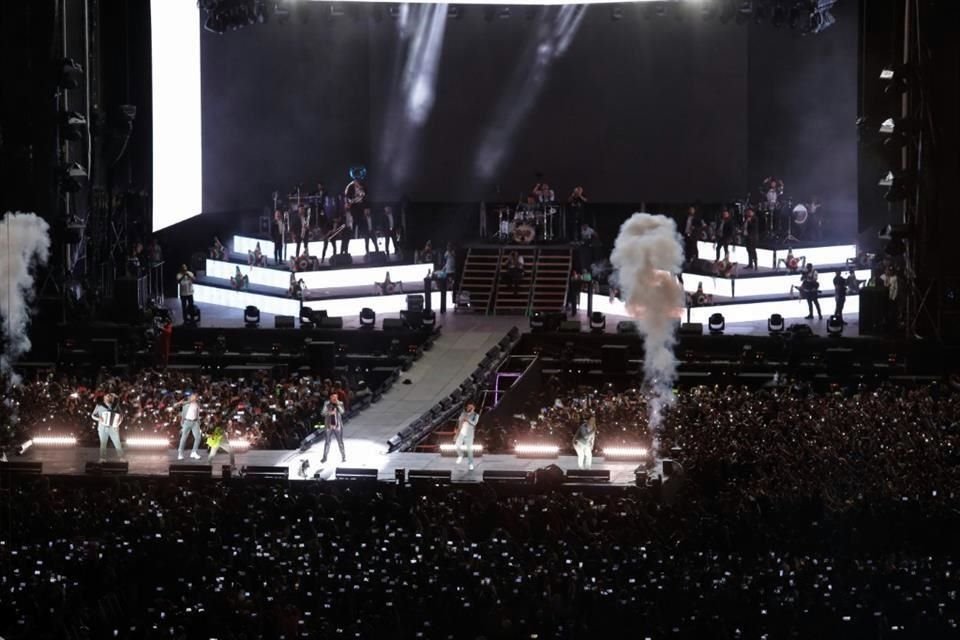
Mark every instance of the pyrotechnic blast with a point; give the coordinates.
(647, 256)
(24, 243)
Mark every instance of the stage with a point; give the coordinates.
(361, 454)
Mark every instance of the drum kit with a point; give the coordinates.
(781, 218)
(525, 224)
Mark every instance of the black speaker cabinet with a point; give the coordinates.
(283, 322)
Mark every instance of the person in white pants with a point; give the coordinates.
(108, 425)
(190, 424)
(468, 422)
(583, 443)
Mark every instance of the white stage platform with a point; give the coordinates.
(834, 254)
(734, 311)
(360, 454)
(321, 280)
(243, 244)
(205, 294)
(756, 285)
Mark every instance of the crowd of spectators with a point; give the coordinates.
(844, 445)
(268, 411)
(157, 559)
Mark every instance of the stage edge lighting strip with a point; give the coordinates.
(177, 149)
(322, 280)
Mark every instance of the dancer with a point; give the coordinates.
(809, 290)
(333, 425)
(217, 440)
(108, 425)
(190, 424)
(468, 422)
(583, 442)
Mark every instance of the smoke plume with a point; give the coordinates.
(647, 256)
(24, 242)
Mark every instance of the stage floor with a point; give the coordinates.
(360, 454)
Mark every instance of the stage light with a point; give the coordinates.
(73, 126)
(598, 322)
(429, 320)
(368, 318)
(626, 453)
(821, 18)
(307, 318)
(536, 451)
(537, 321)
(901, 186)
(240, 444)
(147, 442)
(54, 441)
(251, 317)
(834, 326)
(73, 177)
(448, 449)
(23, 448)
(71, 74)
(716, 324)
(775, 324)
(897, 78)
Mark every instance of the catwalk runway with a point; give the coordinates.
(72, 461)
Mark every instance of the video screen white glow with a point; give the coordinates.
(177, 144)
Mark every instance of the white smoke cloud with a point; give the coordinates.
(24, 243)
(647, 255)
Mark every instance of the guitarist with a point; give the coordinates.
(108, 420)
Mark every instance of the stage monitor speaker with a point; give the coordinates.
(432, 476)
(613, 358)
(552, 321)
(548, 477)
(322, 355)
(570, 326)
(21, 468)
(507, 476)
(413, 319)
(415, 302)
(191, 470)
(264, 472)
(690, 329)
(628, 327)
(592, 476)
(331, 322)
(105, 352)
(116, 468)
(341, 260)
(350, 473)
(376, 259)
(393, 324)
(283, 322)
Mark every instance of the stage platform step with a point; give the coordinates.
(350, 282)
(243, 244)
(753, 309)
(768, 282)
(768, 256)
(217, 294)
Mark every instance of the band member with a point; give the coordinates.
(449, 269)
(691, 233)
(724, 235)
(319, 205)
(185, 279)
(390, 229)
(331, 233)
(751, 235)
(839, 295)
(367, 231)
(576, 205)
(333, 423)
(583, 442)
(573, 292)
(467, 423)
(545, 194)
(190, 425)
(809, 288)
(278, 233)
(108, 424)
(426, 254)
(302, 232)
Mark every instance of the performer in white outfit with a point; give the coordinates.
(190, 424)
(467, 425)
(108, 424)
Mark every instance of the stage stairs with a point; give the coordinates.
(480, 271)
(550, 279)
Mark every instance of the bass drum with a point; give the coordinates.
(800, 214)
(524, 234)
